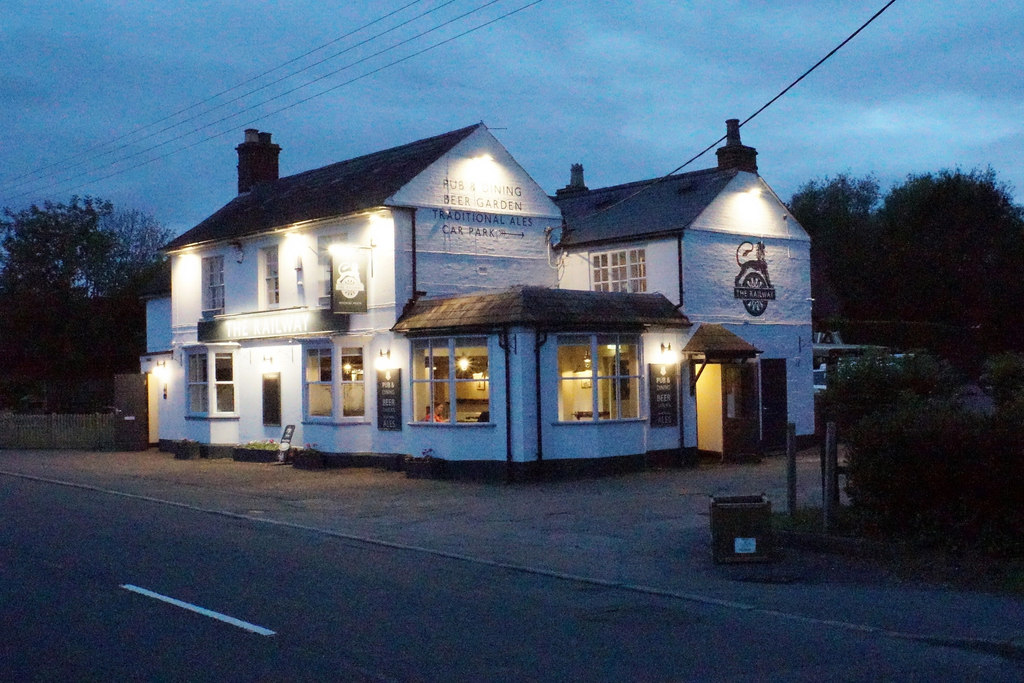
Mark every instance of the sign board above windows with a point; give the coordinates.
(294, 322)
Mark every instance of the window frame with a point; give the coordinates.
(619, 270)
(591, 378)
(213, 284)
(325, 274)
(339, 350)
(207, 383)
(320, 350)
(270, 277)
(470, 378)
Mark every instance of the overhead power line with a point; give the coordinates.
(698, 155)
(211, 98)
(284, 94)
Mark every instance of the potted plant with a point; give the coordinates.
(424, 466)
(187, 449)
(309, 457)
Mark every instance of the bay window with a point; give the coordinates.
(598, 377)
(451, 380)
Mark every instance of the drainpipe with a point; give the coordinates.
(412, 213)
(679, 370)
(504, 343)
(679, 262)
(539, 341)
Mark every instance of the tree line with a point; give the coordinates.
(935, 262)
(71, 276)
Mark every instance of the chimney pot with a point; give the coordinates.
(732, 132)
(251, 135)
(576, 184)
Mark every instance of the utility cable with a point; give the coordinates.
(657, 181)
(209, 110)
(288, 92)
(130, 133)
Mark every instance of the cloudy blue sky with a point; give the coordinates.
(630, 89)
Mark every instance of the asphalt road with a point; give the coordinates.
(345, 609)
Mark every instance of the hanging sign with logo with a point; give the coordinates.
(753, 286)
(348, 288)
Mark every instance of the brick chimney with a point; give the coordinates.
(576, 184)
(257, 160)
(735, 154)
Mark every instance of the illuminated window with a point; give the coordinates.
(319, 386)
(353, 394)
(271, 279)
(323, 256)
(451, 380)
(213, 285)
(202, 393)
(620, 271)
(598, 377)
(198, 388)
(322, 379)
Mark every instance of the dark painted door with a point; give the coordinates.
(739, 412)
(272, 399)
(132, 415)
(774, 403)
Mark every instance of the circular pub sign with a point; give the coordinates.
(752, 285)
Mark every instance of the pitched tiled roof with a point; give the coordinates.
(341, 188)
(648, 207)
(715, 341)
(541, 308)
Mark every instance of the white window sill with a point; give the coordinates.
(332, 422)
(215, 416)
(469, 425)
(574, 423)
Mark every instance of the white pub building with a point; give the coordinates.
(433, 300)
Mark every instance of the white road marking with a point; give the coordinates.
(200, 610)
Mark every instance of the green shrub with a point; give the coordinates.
(927, 470)
(1003, 377)
(875, 382)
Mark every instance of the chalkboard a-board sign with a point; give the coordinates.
(664, 385)
(389, 400)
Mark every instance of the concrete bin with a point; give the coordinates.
(741, 529)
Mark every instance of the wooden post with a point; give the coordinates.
(791, 468)
(831, 477)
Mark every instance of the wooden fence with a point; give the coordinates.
(85, 432)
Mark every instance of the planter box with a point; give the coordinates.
(424, 468)
(255, 455)
(306, 459)
(187, 450)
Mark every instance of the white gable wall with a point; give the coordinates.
(723, 237)
(481, 221)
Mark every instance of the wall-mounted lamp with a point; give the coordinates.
(384, 360)
(668, 356)
(239, 251)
